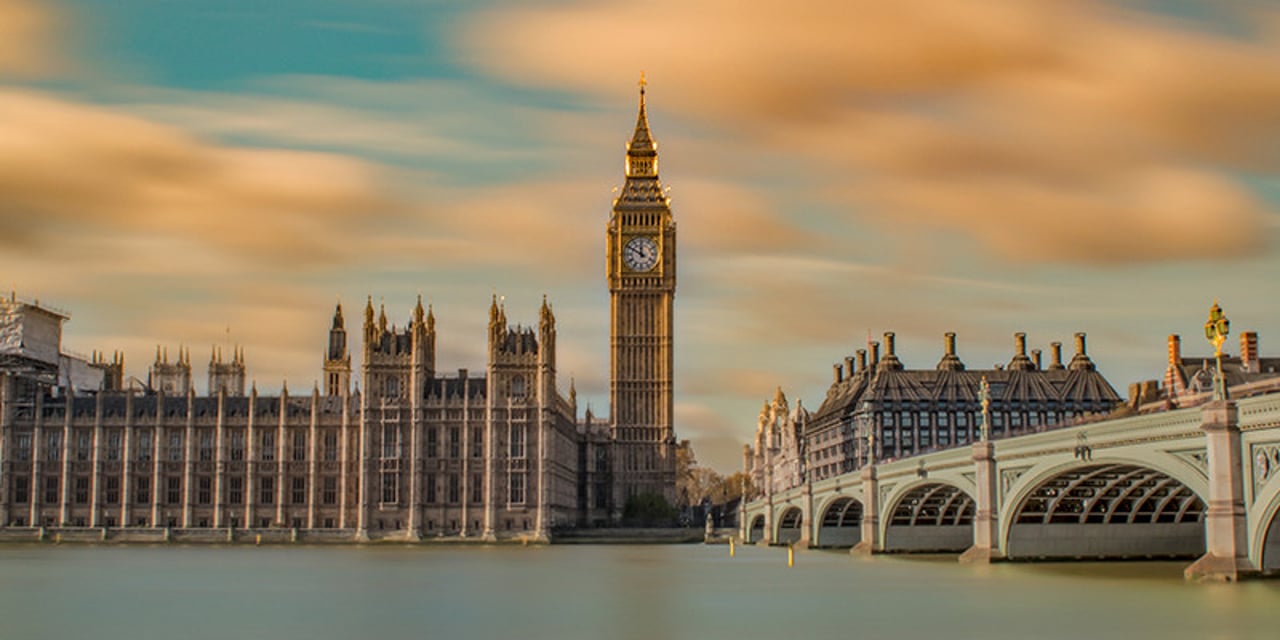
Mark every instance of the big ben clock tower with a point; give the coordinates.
(642, 285)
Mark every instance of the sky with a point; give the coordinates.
(221, 172)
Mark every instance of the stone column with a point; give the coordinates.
(6, 427)
(64, 495)
(870, 542)
(281, 460)
(126, 465)
(415, 472)
(808, 532)
(344, 456)
(490, 497)
(158, 434)
(313, 458)
(252, 458)
(366, 475)
(188, 459)
(33, 485)
(219, 461)
(96, 469)
(1226, 537)
(986, 520)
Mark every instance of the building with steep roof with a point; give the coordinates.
(878, 408)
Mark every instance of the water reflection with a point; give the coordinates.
(629, 592)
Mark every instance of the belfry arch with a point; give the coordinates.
(1113, 510)
(931, 517)
(840, 524)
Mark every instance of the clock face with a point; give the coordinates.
(640, 254)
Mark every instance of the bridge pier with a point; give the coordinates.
(986, 519)
(1226, 535)
(809, 526)
(870, 542)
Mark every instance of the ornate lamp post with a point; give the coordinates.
(1215, 331)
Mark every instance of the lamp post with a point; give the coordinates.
(1215, 331)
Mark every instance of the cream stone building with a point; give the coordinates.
(403, 451)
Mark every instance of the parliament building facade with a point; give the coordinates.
(409, 452)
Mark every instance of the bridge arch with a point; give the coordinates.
(755, 533)
(1264, 529)
(790, 526)
(1104, 509)
(930, 515)
(840, 523)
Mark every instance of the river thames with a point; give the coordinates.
(688, 591)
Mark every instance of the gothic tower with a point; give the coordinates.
(226, 377)
(337, 361)
(641, 267)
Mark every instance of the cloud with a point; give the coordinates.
(65, 165)
(27, 32)
(1061, 132)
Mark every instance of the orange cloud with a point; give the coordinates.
(1048, 131)
(66, 165)
(26, 31)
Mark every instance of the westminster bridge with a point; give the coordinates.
(1195, 482)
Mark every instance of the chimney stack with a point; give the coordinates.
(1055, 348)
(848, 366)
(862, 360)
(839, 373)
(1249, 351)
(1175, 349)
(949, 338)
(1035, 357)
(875, 354)
(1020, 343)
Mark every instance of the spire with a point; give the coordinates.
(382, 317)
(642, 151)
(418, 313)
(431, 318)
(338, 322)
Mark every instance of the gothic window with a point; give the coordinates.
(517, 444)
(925, 438)
(431, 488)
(51, 490)
(237, 446)
(142, 490)
(477, 442)
(330, 445)
(144, 446)
(299, 491)
(454, 496)
(174, 490)
(390, 441)
(268, 446)
(477, 488)
(21, 489)
(390, 487)
(206, 445)
(53, 448)
(299, 445)
(175, 446)
(24, 447)
(267, 490)
(330, 491)
(235, 490)
(517, 386)
(516, 485)
(113, 445)
(204, 490)
(83, 440)
(433, 444)
(455, 443)
(82, 490)
(112, 492)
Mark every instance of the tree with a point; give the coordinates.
(648, 510)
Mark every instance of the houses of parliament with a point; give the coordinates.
(403, 452)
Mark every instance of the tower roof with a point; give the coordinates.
(642, 141)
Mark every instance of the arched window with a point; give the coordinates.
(517, 386)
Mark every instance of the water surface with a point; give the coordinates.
(690, 591)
